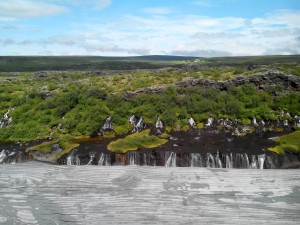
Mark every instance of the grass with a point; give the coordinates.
(69, 147)
(165, 136)
(289, 142)
(45, 147)
(135, 141)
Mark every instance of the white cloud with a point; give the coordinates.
(96, 4)
(276, 33)
(157, 10)
(102, 4)
(203, 3)
(14, 9)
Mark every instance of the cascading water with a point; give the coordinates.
(70, 160)
(253, 162)
(2, 156)
(148, 160)
(104, 159)
(92, 157)
(101, 159)
(210, 161)
(132, 158)
(170, 159)
(196, 160)
(228, 161)
(245, 161)
(261, 161)
(77, 160)
(218, 161)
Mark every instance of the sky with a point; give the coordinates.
(202, 28)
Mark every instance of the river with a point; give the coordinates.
(40, 193)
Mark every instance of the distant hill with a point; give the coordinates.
(79, 63)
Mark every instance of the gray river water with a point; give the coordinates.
(39, 193)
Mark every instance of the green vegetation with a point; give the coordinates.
(92, 63)
(134, 141)
(165, 136)
(80, 104)
(84, 63)
(289, 142)
(45, 147)
(68, 148)
(72, 104)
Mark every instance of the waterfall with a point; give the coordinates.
(6, 120)
(2, 156)
(170, 159)
(210, 121)
(261, 161)
(107, 160)
(210, 161)
(77, 160)
(158, 123)
(132, 158)
(245, 161)
(218, 161)
(104, 159)
(101, 159)
(70, 160)
(108, 124)
(253, 162)
(92, 156)
(192, 122)
(147, 160)
(196, 160)
(228, 161)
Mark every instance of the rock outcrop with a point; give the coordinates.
(263, 80)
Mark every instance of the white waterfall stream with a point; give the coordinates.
(170, 159)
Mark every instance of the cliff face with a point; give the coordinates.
(268, 78)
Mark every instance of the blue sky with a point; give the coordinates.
(146, 27)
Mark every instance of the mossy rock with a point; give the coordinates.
(165, 136)
(69, 147)
(289, 142)
(109, 134)
(45, 147)
(277, 149)
(135, 141)
(200, 125)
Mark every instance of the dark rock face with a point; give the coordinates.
(250, 67)
(268, 78)
(41, 74)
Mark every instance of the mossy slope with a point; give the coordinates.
(289, 142)
(135, 141)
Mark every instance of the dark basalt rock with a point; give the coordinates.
(41, 74)
(263, 80)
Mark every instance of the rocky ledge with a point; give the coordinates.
(263, 80)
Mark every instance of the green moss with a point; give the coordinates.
(185, 128)
(246, 121)
(134, 141)
(289, 142)
(121, 130)
(45, 147)
(165, 136)
(200, 125)
(68, 148)
(277, 149)
(109, 134)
